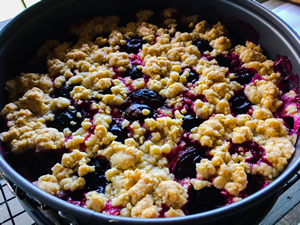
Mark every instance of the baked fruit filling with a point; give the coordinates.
(165, 116)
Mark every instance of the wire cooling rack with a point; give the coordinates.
(11, 211)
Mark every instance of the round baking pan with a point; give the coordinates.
(20, 39)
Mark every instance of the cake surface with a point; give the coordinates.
(165, 116)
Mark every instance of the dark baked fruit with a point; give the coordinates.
(146, 96)
(63, 91)
(186, 164)
(134, 45)
(44, 164)
(116, 129)
(135, 112)
(240, 32)
(283, 65)
(74, 197)
(229, 60)
(193, 77)
(204, 199)
(202, 45)
(190, 121)
(183, 159)
(135, 73)
(255, 183)
(239, 103)
(67, 119)
(224, 61)
(244, 76)
(289, 122)
(96, 180)
(72, 116)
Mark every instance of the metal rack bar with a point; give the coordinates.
(7, 206)
(10, 217)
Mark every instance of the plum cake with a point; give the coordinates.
(163, 115)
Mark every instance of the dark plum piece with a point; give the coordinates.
(288, 83)
(239, 103)
(63, 118)
(255, 183)
(116, 129)
(243, 76)
(186, 164)
(134, 112)
(146, 96)
(229, 60)
(193, 77)
(97, 180)
(289, 122)
(134, 45)
(223, 61)
(190, 121)
(63, 91)
(135, 73)
(202, 45)
(74, 197)
(283, 65)
(205, 199)
(44, 164)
